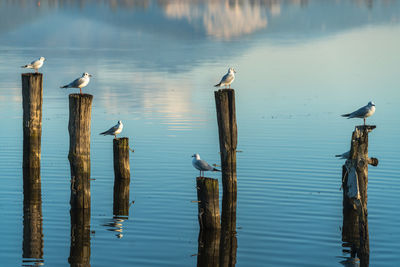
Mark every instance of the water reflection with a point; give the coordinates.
(80, 238)
(116, 225)
(355, 234)
(208, 248)
(32, 247)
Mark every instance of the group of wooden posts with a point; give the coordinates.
(217, 237)
(80, 106)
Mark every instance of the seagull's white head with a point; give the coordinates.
(42, 59)
(370, 103)
(231, 70)
(85, 74)
(197, 156)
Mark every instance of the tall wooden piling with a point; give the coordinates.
(355, 184)
(32, 101)
(79, 254)
(32, 247)
(80, 108)
(208, 199)
(122, 176)
(227, 128)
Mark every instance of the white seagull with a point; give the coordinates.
(202, 165)
(227, 79)
(36, 64)
(116, 129)
(79, 82)
(363, 112)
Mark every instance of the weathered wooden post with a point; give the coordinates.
(122, 176)
(208, 248)
(79, 254)
(32, 101)
(80, 108)
(32, 246)
(355, 184)
(227, 128)
(208, 203)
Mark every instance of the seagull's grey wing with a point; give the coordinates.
(203, 165)
(228, 78)
(111, 130)
(359, 113)
(76, 83)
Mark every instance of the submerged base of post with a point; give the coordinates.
(208, 203)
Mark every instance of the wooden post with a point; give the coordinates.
(355, 184)
(79, 254)
(208, 248)
(122, 176)
(32, 246)
(32, 101)
(208, 197)
(80, 108)
(227, 128)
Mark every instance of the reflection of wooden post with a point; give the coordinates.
(80, 108)
(228, 230)
(208, 197)
(32, 100)
(355, 184)
(32, 247)
(226, 116)
(122, 176)
(79, 254)
(208, 248)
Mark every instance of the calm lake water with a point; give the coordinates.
(300, 64)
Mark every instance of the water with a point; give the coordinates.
(300, 64)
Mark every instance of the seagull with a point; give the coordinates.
(345, 155)
(363, 112)
(79, 82)
(116, 129)
(202, 165)
(227, 79)
(36, 64)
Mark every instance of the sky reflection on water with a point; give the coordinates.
(300, 64)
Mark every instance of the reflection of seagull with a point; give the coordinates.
(80, 82)
(227, 79)
(363, 112)
(116, 129)
(202, 165)
(36, 64)
(345, 155)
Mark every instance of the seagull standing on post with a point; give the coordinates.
(36, 64)
(227, 79)
(79, 82)
(202, 165)
(363, 112)
(116, 129)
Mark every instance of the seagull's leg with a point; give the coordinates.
(80, 89)
(364, 121)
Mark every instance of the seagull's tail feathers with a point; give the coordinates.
(215, 170)
(65, 86)
(105, 133)
(217, 85)
(346, 115)
(26, 66)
